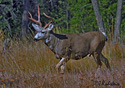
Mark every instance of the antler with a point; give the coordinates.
(37, 21)
(49, 22)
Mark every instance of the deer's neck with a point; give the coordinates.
(51, 41)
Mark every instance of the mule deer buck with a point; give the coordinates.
(73, 45)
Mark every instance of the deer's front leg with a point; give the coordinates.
(63, 67)
(62, 64)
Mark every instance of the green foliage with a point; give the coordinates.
(108, 14)
(123, 22)
(10, 18)
(81, 16)
(77, 17)
(70, 16)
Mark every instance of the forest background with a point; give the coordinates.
(70, 16)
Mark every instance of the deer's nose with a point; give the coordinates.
(35, 39)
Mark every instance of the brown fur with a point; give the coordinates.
(77, 46)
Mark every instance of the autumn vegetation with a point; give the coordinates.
(32, 65)
(29, 64)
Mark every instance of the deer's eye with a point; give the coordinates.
(42, 32)
(36, 25)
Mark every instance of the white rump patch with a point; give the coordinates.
(47, 40)
(104, 34)
(51, 47)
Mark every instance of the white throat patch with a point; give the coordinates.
(51, 47)
(47, 40)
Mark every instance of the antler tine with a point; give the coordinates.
(36, 21)
(38, 13)
(49, 22)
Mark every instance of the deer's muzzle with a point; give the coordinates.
(35, 39)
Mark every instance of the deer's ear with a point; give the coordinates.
(50, 27)
(37, 27)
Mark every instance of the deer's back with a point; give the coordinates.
(82, 44)
(77, 45)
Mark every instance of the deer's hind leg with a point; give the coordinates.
(97, 59)
(105, 61)
(98, 73)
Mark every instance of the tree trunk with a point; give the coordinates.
(98, 15)
(24, 25)
(35, 4)
(118, 21)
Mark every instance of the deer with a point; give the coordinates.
(68, 46)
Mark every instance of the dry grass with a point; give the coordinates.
(32, 65)
(1, 41)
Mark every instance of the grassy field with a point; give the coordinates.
(32, 65)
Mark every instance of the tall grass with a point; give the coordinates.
(1, 42)
(32, 65)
